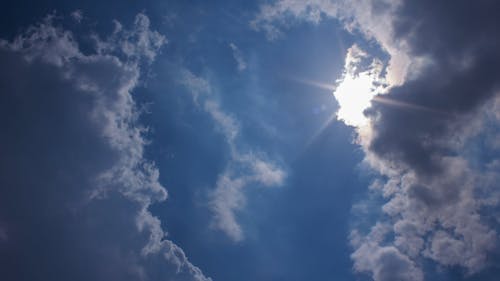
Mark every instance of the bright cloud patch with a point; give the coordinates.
(357, 87)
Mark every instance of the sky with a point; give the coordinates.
(250, 140)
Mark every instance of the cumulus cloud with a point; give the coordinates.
(383, 262)
(76, 187)
(244, 168)
(442, 87)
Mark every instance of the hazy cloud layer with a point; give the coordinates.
(424, 133)
(75, 186)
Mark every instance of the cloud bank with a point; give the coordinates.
(429, 134)
(75, 186)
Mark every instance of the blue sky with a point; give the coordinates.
(266, 140)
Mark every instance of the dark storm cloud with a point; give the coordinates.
(461, 42)
(74, 185)
(433, 184)
(445, 29)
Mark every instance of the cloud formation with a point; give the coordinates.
(238, 57)
(424, 131)
(385, 262)
(76, 188)
(372, 18)
(244, 168)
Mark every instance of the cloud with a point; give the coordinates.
(372, 18)
(77, 16)
(76, 188)
(146, 42)
(383, 262)
(244, 168)
(238, 57)
(279, 13)
(439, 187)
(424, 129)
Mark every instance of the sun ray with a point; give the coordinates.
(396, 103)
(318, 84)
(320, 130)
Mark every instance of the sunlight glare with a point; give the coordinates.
(354, 95)
(356, 89)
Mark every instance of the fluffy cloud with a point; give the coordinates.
(244, 168)
(383, 262)
(423, 131)
(75, 185)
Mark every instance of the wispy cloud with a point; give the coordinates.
(244, 167)
(77, 15)
(238, 57)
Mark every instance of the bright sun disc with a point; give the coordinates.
(354, 94)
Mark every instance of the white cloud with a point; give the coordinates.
(45, 42)
(266, 173)
(436, 214)
(243, 168)
(104, 81)
(383, 262)
(226, 199)
(439, 218)
(373, 20)
(142, 42)
(273, 15)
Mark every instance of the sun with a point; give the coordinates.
(354, 95)
(358, 87)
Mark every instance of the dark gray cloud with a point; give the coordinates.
(74, 186)
(437, 183)
(428, 133)
(461, 42)
(445, 30)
